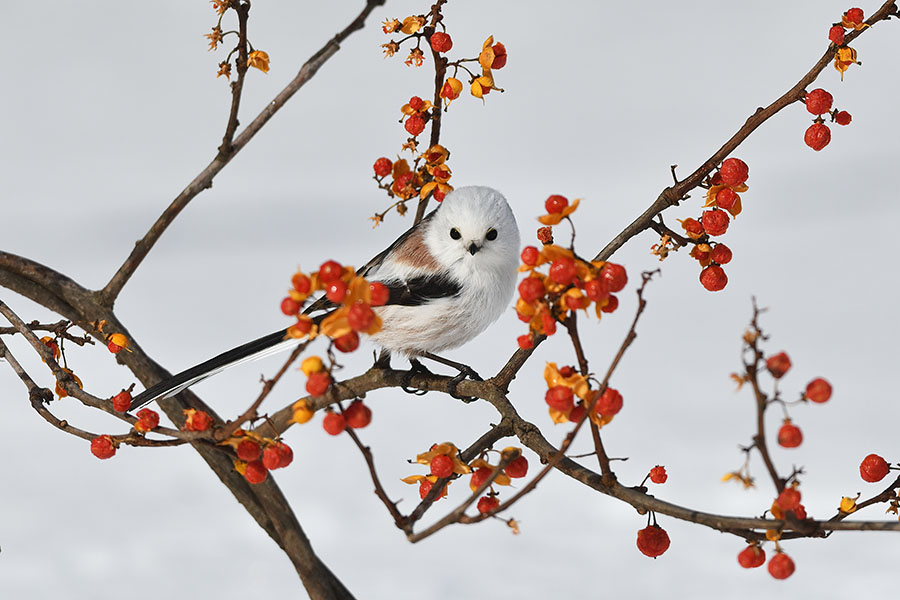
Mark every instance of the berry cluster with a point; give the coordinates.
(571, 283)
(355, 416)
(722, 199)
(429, 173)
(257, 455)
(819, 102)
(845, 56)
(564, 384)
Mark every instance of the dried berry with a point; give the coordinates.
(836, 35)
(441, 42)
(658, 474)
(517, 468)
(819, 101)
(415, 125)
(652, 540)
(818, 390)
(817, 136)
(103, 447)
(148, 420)
(612, 303)
(525, 342)
(122, 401)
(721, 254)
(778, 365)
(715, 222)
(713, 278)
(734, 171)
(383, 166)
(197, 420)
(843, 118)
(789, 436)
(855, 15)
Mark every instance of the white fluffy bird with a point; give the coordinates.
(449, 277)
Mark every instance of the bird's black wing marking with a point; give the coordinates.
(422, 289)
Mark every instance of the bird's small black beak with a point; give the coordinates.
(473, 248)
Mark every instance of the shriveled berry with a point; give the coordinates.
(289, 306)
(103, 447)
(378, 293)
(301, 283)
(415, 125)
(517, 468)
(843, 118)
(817, 136)
(658, 474)
(383, 166)
(612, 303)
(789, 499)
(440, 41)
(197, 420)
(781, 566)
(778, 364)
(530, 255)
(480, 475)
(248, 450)
(562, 271)
(545, 235)
(499, 56)
(488, 503)
(525, 342)
(597, 290)
(416, 103)
(713, 278)
(725, 198)
(441, 466)
(402, 182)
(577, 413)
(653, 540)
(531, 288)
(873, 468)
(330, 270)
(556, 203)
(318, 383)
(360, 316)
(693, 227)
(609, 403)
(752, 556)
(148, 420)
(616, 276)
(560, 398)
(548, 323)
(836, 35)
(819, 101)
(122, 401)
(358, 415)
(734, 171)
(334, 423)
(789, 436)
(715, 222)
(255, 472)
(855, 15)
(336, 291)
(818, 390)
(721, 254)
(347, 342)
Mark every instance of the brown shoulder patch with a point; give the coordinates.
(414, 252)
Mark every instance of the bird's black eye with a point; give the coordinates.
(455, 234)
(491, 234)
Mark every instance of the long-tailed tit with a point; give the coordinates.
(449, 277)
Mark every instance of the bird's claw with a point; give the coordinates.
(463, 373)
(416, 367)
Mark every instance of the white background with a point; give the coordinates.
(108, 109)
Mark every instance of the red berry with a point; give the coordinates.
(440, 41)
(597, 290)
(817, 136)
(415, 103)
(577, 413)
(499, 56)
(843, 118)
(198, 421)
(401, 183)
(360, 316)
(358, 415)
(248, 450)
(548, 323)
(721, 254)
(715, 222)
(530, 255)
(873, 468)
(271, 459)
(836, 35)
(488, 503)
(819, 101)
(725, 198)
(778, 365)
(336, 291)
(525, 341)
(415, 125)
(290, 307)
(615, 276)
(611, 305)
(113, 347)
(480, 475)
(562, 271)
(347, 342)
(789, 499)
(713, 278)
(818, 390)
(752, 556)
(442, 466)
(531, 288)
(658, 474)
(855, 15)
(425, 487)
(301, 283)
(567, 371)
(716, 179)
(148, 420)
(560, 397)
(378, 293)
(103, 447)
(781, 566)
(383, 166)
(693, 227)
(318, 383)
(334, 423)
(653, 540)
(330, 270)
(556, 203)
(517, 468)
(734, 171)
(789, 436)
(287, 455)
(255, 472)
(545, 235)
(609, 403)
(122, 401)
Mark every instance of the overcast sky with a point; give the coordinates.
(109, 109)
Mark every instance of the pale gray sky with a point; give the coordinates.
(109, 109)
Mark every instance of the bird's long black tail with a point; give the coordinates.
(268, 344)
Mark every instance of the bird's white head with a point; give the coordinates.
(474, 231)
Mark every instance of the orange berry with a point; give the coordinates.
(525, 341)
(487, 503)
(778, 365)
(301, 283)
(597, 290)
(855, 15)
(318, 383)
(843, 118)
(818, 390)
(442, 466)
(653, 540)
(713, 278)
(334, 423)
(562, 271)
(103, 447)
(752, 556)
(715, 222)
(721, 254)
(789, 436)
(725, 198)
(733, 171)
(358, 415)
(255, 472)
(122, 401)
(480, 475)
(781, 566)
(692, 226)
(499, 56)
(836, 35)
(873, 468)
(198, 420)
(560, 397)
(147, 420)
(424, 487)
(788, 499)
(611, 305)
